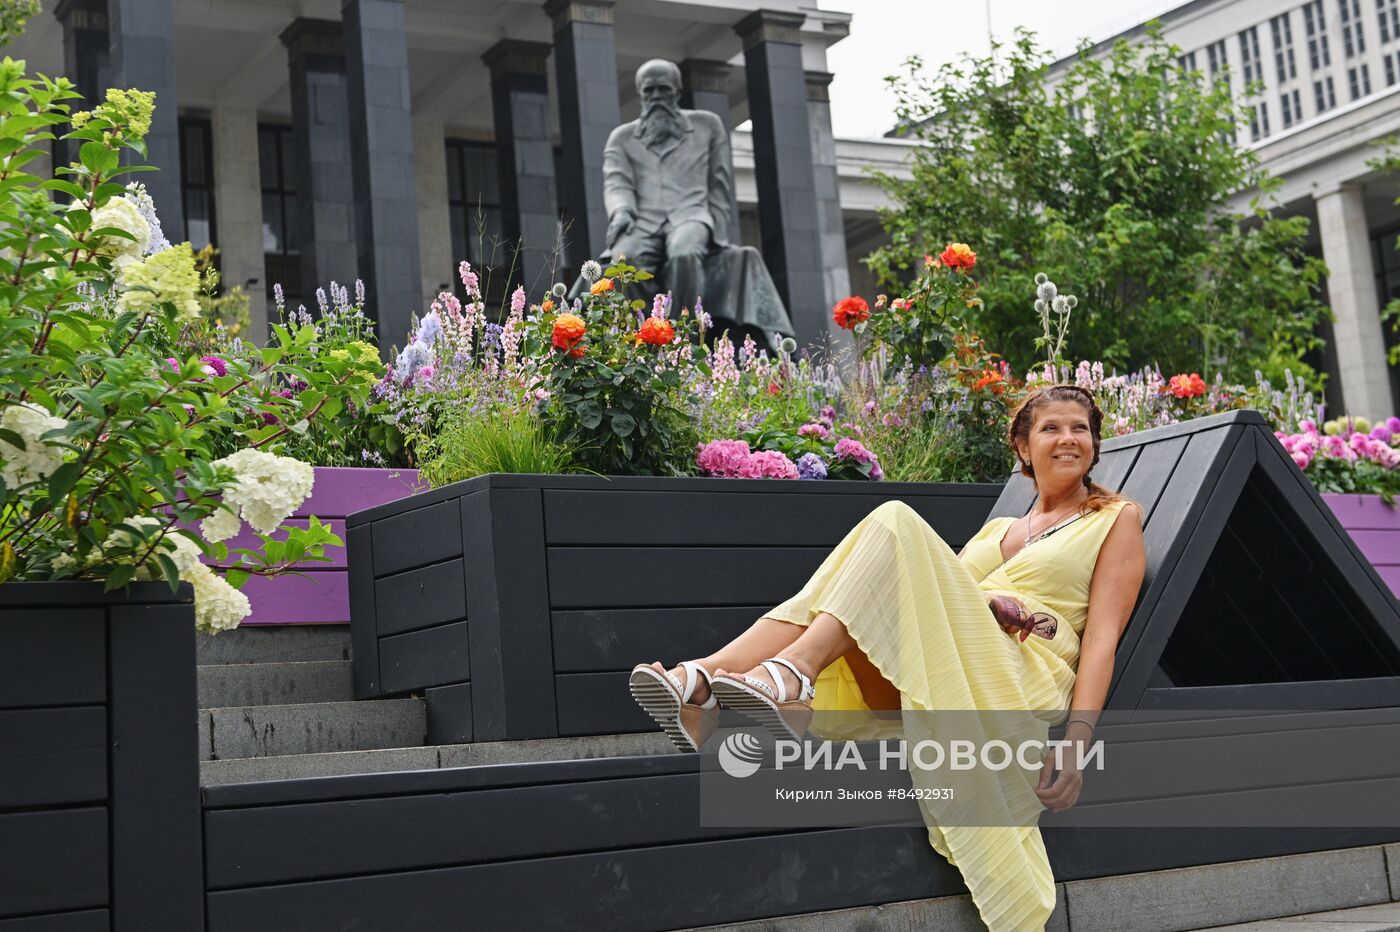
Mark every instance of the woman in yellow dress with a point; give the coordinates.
(894, 620)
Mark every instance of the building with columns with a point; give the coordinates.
(1326, 75)
(324, 140)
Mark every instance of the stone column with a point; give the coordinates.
(239, 218)
(836, 274)
(142, 50)
(783, 170)
(87, 59)
(1351, 289)
(585, 65)
(381, 137)
(321, 152)
(705, 86)
(525, 156)
(438, 265)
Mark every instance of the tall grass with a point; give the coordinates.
(472, 444)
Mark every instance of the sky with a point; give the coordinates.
(885, 32)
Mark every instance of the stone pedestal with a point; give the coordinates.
(525, 157)
(585, 64)
(1351, 290)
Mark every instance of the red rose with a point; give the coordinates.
(656, 332)
(958, 256)
(849, 312)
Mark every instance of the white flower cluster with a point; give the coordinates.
(266, 490)
(38, 458)
(121, 213)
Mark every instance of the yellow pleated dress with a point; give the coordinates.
(920, 614)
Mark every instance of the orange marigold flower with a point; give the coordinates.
(601, 285)
(568, 330)
(993, 378)
(656, 332)
(849, 312)
(548, 305)
(1187, 386)
(959, 256)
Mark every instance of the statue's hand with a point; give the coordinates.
(618, 226)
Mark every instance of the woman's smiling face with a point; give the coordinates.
(1061, 448)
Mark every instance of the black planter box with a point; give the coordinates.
(517, 604)
(99, 775)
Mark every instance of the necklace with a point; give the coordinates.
(1030, 535)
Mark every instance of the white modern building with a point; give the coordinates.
(1330, 76)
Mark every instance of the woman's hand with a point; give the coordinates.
(1005, 606)
(1064, 792)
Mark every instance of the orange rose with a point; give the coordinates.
(849, 312)
(899, 304)
(1187, 386)
(959, 256)
(576, 352)
(601, 285)
(548, 305)
(656, 332)
(568, 330)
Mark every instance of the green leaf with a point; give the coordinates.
(623, 424)
(236, 578)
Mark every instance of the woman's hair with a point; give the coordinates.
(1024, 416)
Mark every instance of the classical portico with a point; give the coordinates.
(386, 141)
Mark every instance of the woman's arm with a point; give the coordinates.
(1113, 591)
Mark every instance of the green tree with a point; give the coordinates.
(1115, 182)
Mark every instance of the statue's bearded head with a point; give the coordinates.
(659, 86)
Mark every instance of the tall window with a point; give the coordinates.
(474, 203)
(1359, 81)
(1250, 64)
(1353, 39)
(1291, 106)
(1324, 95)
(1315, 26)
(1258, 122)
(197, 180)
(1187, 62)
(280, 184)
(1389, 70)
(1215, 60)
(1388, 13)
(1282, 31)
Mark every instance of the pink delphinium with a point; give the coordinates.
(469, 279)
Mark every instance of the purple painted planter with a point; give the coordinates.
(322, 596)
(1375, 526)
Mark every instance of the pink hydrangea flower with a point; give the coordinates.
(815, 429)
(768, 464)
(724, 458)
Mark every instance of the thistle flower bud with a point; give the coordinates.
(1041, 278)
(559, 289)
(1047, 291)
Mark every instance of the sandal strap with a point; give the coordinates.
(805, 689)
(693, 672)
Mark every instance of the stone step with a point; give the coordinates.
(311, 728)
(294, 766)
(242, 684)
(1382, 917)
(274, 644)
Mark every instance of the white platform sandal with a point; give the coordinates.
(666, 699)
(782, 715)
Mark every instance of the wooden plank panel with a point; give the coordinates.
(321, 596)
(364, 616)
(157, 869)
(1363, 511)
(430, 657)
(1114, 467)
(420, 598)
(53, 656)
(449, 714)
(1375, 692)
(780, 518)
(1153, 469)
(343, 490)
(417, 538)
(53, 861)
(1381, 547)
(616, 891)
(622, 577)
(598, 704)
(1212, 470)
(88, 920)
(593, 640)
(508, 603)
(53, 756)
